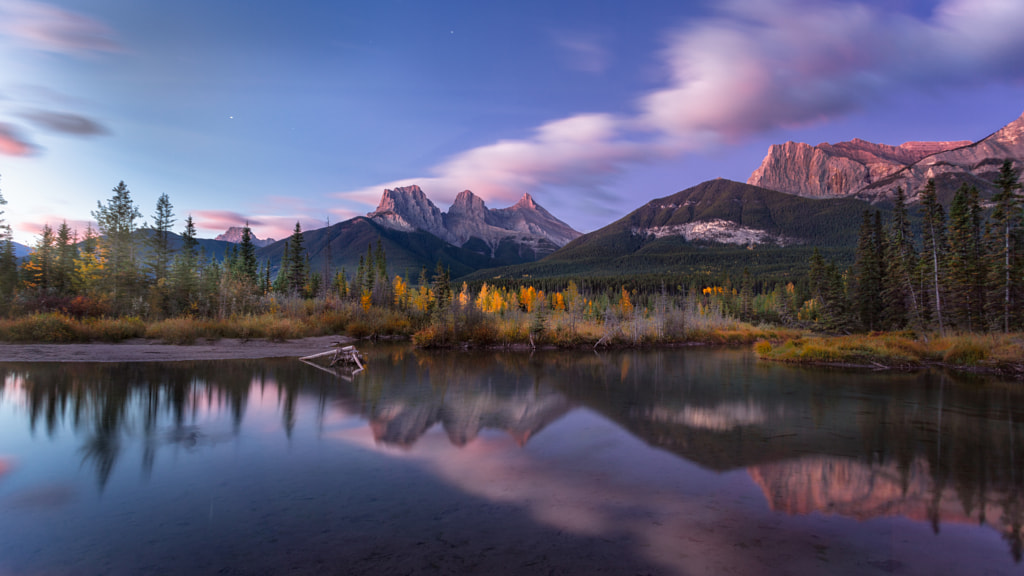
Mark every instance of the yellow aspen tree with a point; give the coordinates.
(464, 295)
(366, 300)
(400, 289)
(483, 298)
(625, 304)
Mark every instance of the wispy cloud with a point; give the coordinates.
(583, 52)
(12, 143)
(35, 226)
(65, 123)
(756, 66)
(221, 219)
(48, 28)
(762, 65)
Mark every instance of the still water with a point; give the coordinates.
(640, 462)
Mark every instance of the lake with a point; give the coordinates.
(679, 461)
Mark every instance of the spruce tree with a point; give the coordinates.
(296, 256)
(117, 225)
(965, 278)
(899, 293)
(159, 240)
(868, 273)
(933, 240)
(247, 265)
(64, 265)
(1004, 247)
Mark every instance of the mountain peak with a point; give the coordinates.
(526, 202)
(234, 235)
(408, 208)
(467, 204)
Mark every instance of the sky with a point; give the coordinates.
(272, 112)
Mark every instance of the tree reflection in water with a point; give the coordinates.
(921, 445)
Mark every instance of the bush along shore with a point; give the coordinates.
(985, 353)
(493, 319)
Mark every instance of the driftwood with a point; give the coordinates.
(346, 354)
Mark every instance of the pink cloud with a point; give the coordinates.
(758, 65)
(221, 219)
(12, 143)
(763, 65)
(35, 227)
(49, 28)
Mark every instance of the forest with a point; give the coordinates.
(959, 271)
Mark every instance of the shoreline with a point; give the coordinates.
(145, 350)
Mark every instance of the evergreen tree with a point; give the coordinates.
(64, 265)
(248, 267)
(116, 221)
(899, 292)
(933, 240)
(1004, 247)
(296, 256)
(868, 273)
(38, 272)
(965, 278)
(185, 270)
(159, 240)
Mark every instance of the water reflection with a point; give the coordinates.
(922, 446)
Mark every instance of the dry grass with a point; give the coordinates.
(995, 352)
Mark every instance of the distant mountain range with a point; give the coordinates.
(416, 234)
(801, 197)
(717, 227)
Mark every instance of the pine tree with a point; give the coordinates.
(868, 273)
(902, 303)
(38, 272)
(1004, 247)
(185, 270)
(116, 221)
(64, 265)
(159, 240)
(965, 278)
(933, 240)
(8, 262)
(296, 256)
(248, 267)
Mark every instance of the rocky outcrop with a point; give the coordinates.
(234, 235)
(976, 164)
(873, 171)
(408, 208)
(836, 170)
(469, 222)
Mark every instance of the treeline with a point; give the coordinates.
(962, 272)
(127, 268)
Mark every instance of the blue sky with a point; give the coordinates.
(274, 112)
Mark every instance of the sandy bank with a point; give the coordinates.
(139, 350)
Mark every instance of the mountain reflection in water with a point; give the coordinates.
(920, 445)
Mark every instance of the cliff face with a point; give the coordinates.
(873, 171)
(835, 170)
(469, 221)
(976, 164)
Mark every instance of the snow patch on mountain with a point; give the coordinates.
(718, 231)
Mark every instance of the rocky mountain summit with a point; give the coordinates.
(234, 235)
(837, 170)
(873, 171)
(469, 223)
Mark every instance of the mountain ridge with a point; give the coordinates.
(873, 171)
